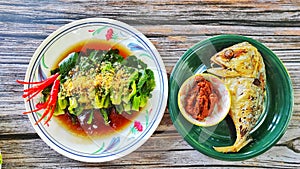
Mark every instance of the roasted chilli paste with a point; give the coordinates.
(200, 99)
(102, 88)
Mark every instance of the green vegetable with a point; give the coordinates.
(124, 85)
(85, 64)
(73, 105)
(111, 81)
(120, 80)
(127, 107)
(136, 103)
(95, 56)
(130, 87)
(52, 72)
(92, 58)
(103, 102)
(78, 110)
(68, 63)
(133, 90)
(58, 111)
(46, 92)
(132, 61)
(142, 80)
(102, 97)
(104, 114)
(91, 117)
(145, 86)
(119, 108)
(97, 102)
(113, 56)
(149, 85)
(62, 101)
(143, 99)
(132, 93)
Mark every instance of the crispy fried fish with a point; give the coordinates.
(243, 71)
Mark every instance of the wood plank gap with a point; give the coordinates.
(27, 136)
(27, 35)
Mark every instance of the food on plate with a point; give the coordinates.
(242, 68)
(204, 100)
(200, 99)
(93, 85)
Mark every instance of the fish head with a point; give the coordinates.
(241, 59)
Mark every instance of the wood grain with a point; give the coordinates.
(176, 155)
(173, 27)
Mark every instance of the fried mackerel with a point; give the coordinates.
(242, 69)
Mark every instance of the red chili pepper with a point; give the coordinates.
(51, 77)
(33, 91)
(51, 102)
(38, 108)
(40, 104)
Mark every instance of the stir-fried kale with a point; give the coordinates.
(132, 91)
(104, 113)
(98, 56)
(68, 64)
(147, 87)
(92, 58)
(103, 85)
(133, 61)
(123, 84)
(114, 82)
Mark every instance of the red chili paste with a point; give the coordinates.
(201, 99)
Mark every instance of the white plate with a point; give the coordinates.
(129, 139)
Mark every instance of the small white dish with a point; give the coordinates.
(221, 107)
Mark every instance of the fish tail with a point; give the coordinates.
(239, 144)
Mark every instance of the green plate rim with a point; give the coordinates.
(180, 128)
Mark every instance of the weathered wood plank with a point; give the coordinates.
(207, 12)
(20, 153)
(171, 47)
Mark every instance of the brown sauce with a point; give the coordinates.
(93, 44)
(97, 128)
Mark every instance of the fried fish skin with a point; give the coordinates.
(243, 72)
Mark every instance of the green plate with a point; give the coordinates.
(278, 102)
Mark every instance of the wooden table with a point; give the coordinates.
(173, 27)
